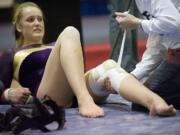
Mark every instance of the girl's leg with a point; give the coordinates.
(133, 90)
(127, 86)
(64, 75)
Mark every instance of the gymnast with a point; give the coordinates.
(58, 71)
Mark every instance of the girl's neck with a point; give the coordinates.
(25, 44)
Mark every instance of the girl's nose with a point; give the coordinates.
(36, 21)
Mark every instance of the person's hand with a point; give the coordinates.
(17, 95)
(127, 20)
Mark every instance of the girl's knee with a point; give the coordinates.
(109, 64)
(101, 69)
(70, 32)
(68, 35)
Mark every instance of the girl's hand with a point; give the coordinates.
(17, 95)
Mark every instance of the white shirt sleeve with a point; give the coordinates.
(151, 58)
(166, 18)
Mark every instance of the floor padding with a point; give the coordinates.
(119, 120)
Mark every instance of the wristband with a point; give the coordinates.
(7, 94)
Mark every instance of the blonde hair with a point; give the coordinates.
(17, 18)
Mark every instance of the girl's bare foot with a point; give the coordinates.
(162, 109)
(88, 108)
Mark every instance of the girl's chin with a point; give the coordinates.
(37, 37)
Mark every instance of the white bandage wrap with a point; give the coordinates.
(96, 87)
(99, 71)
(110, 69)
(104, 67)
(96, 73)
(116, 75)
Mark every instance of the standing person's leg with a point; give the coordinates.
(64, 75)
(165, 82)
(128, 87)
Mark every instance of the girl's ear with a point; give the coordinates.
(18, 27)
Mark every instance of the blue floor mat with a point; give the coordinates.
(118, 120)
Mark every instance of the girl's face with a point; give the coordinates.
(31, 26)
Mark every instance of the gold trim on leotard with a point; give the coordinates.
(20, 56)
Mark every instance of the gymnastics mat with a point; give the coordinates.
(118, 120)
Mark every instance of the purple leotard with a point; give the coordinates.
(26, 65)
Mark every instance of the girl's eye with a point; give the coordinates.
(31, 19)
(40, 19)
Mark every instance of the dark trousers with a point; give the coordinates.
(165, 81)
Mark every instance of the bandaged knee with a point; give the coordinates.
(96, 74)
(108, 69)
(103, 68)
(116, 76)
